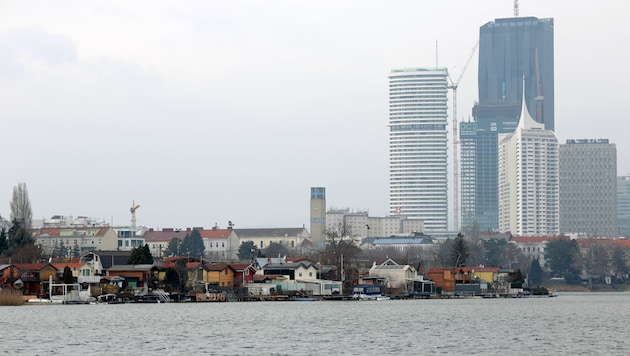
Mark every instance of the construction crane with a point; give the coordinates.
(133, 209)
(453, 86)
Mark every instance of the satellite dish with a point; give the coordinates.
(18, 284)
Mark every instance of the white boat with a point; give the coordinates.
(368, 292)
(44, 301)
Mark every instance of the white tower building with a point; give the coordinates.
(418, 184)
(528, 179)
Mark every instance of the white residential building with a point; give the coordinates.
(418, 184)
(528, 179)
(362, 225)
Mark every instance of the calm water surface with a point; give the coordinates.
(572, 324)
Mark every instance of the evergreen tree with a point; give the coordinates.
(247, 250)
(535, 273)
(459, 251)
(276, 249)
(619, 263)
(63, 250)
(494, 249)
(67, 276)
(3, 242)
(562, 258)
(19, 235)
(147, 253)
(193, 245)
(171, 279)
(140, 255)
(173, 247)
(516, 278)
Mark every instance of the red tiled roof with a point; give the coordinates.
(172, 264)
(217, 266)
(622, 243)
(71, 265)
(163, 236)
(32, 266)
(536, 239)
(241, 266)
(215, 234)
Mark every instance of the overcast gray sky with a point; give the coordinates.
(209, 111)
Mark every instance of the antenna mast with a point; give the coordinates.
(515, 8)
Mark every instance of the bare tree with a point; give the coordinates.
(21, 206)
(341, 244)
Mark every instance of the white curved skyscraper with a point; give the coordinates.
(418, 184)
(528, 179)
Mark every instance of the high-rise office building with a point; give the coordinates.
(588, 188)
(508, 50)
(623, 206)
(418, 184)
(528, 179)
(479, 142)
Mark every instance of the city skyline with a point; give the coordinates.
(215, 112)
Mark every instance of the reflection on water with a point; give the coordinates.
(576, 324)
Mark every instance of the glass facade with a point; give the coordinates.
(508, 50)
(479, 171)
(418, 184)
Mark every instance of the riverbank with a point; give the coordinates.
(561, 287)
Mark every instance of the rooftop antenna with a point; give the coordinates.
(515, 8)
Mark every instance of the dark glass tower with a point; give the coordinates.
(508, 50)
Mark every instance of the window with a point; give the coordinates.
(310, 274)
(300, 274)
(262, 245)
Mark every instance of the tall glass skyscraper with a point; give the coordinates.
(418, 184)
(508, 50)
